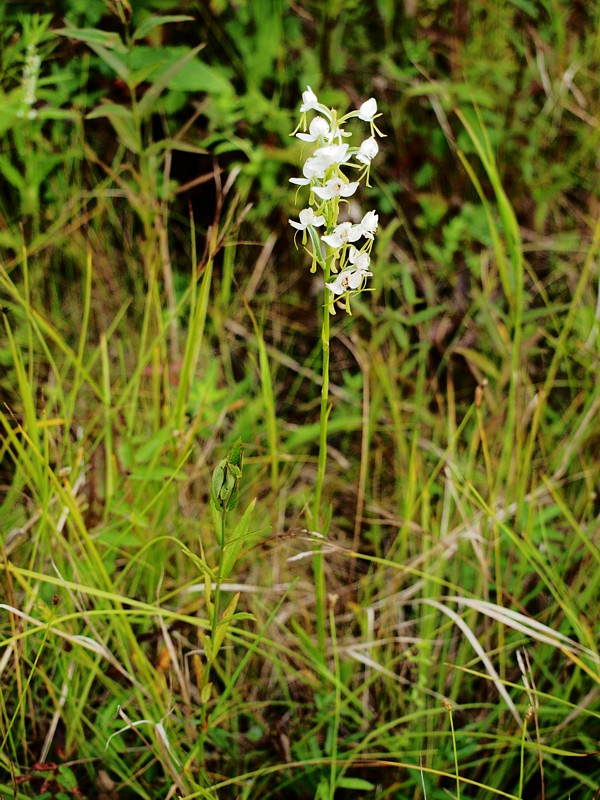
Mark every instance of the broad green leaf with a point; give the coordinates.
(155, 21)
(197, 76)
(164, 79)
(142, 75)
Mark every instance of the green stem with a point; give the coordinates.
(337, 705)
(318, 566)
(217, 598)
(213, 638)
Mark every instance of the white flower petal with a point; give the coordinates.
(309, 101)
(360, 259)
(335, 187)
(318, 129)
(340, 284)
(368, 110)
(369, 224)
(333, 240)
(367, 151)
(355, 279)
(348, 189)
(333, 154)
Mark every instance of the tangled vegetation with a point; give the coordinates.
(251, 548)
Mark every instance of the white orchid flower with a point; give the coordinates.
(307, 217)
(318, 129)
(367, 151)
(361, 261)
(352, 279)
(324, 173)
(369, 224)
(335, 187)
(342, 234)
(333, 153)
(368, 110)
(310, 101)
(347, 280)
(313, 168)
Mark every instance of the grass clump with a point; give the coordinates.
(193, 606)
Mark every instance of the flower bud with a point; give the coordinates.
(226, 479)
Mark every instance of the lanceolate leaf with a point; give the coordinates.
(154, 22)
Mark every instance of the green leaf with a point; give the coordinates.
(141, 75)
(236, 454)
(155, 21)
(110, 110)
(153, 446)
(199, 563)
(12, 175)
(56, 113)
(126, 131)
(174, 144)
(94, 37)
(9, 113)
(479, 360)
(164, 79)
(153, 473)
(197, 76)
(355, 783)
(113, 61)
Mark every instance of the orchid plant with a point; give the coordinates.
(337, 244)
(343, 250)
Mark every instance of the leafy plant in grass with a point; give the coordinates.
(33, 122)
(84, 558)
(98, 572)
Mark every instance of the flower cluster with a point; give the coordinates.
(343, 250)
(31, 72)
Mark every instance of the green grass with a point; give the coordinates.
(153, 646)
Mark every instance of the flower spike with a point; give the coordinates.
(343, 249)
